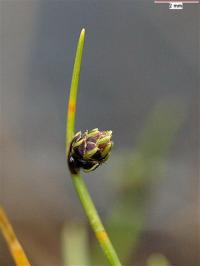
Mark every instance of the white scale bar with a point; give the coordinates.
(168, 2)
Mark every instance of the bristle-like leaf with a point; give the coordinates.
(73, 91)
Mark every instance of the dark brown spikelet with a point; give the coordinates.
(89, 149)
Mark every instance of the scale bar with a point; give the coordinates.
(168, 2)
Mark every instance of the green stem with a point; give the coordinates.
(95, 220)
(73, 90)
(78, 182)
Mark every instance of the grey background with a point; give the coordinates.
(136, 54)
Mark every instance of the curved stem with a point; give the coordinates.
(78, 182)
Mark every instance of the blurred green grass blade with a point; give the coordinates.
(75, 245)
(160, 129)
(157, 259)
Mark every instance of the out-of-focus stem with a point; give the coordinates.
(75, 235)
(14, 246)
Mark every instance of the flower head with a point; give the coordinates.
(89, 149)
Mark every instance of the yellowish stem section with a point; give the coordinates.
(14, 246)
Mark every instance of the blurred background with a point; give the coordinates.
(139, 78)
